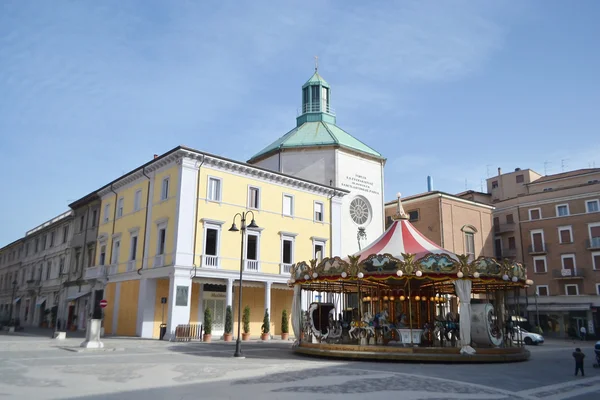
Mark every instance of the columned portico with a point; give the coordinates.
(180, 293)
(268, 296)
(229, 296)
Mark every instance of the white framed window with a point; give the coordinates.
(319, 211)
(164, 189)
(318, 248)
(106, 212)
(470, 245)
(161, 240)
(65, 235)
(592, 206)
(252, 251)
(594, 232)
(568, 263)
(535, 213)
(91, 255)
(288, 242)
(133, 246)
(288, 205)
(102, 258)
(253, 197)
(565, 234)
(598, 289)
(572, 289)
(116, 251)
(542, 290)
(94, 217)
(596, 260)
(61, 266)
(212, 244)
(537, 240)
(562, 210)
(120, 204)
(539, 265)
(214, 189)
(137, 200)
(52, 235)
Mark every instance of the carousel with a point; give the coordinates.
(405, 298)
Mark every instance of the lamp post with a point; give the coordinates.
(12, 301)
(234, 228)
(537, 311)
(361, 235)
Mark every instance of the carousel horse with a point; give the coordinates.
(427, 336)
(447, 329)
(334, 330)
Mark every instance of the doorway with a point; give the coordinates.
(217, 310)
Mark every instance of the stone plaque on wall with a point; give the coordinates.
(181, 296)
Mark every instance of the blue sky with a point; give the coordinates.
(452, 89)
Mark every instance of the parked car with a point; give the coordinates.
(528, 337)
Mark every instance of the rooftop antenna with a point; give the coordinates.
(546, 164)
(316, 63)
(481, 186)
(563, 164)
(487, 170)
(466, 187)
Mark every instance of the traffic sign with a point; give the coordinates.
(103, 303)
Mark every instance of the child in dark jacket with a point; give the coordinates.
(578, 356)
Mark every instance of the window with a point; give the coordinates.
(94, 217)
(26, 249)
(470, 245)
(498, 248)
(211, 241)
(162, 237)
(77, 258)
(48, 270)
(319, 251)
(319, 216)
(568, 262)
(592, 206)
(535, 213)
(388, 222)
(137, 200)
(542, 290)
(45, 242)
(120, 207)
(91, 256)
(539, 265)
(512, 243)
(116, 250)
(65, 233)
(548, 189)
(562, 210)
(106, 211)
(81, 221)
(598, 289)
(253, 197)
(537, 241)
(494, 184)
(214, 189)
(510, 219)
(164, 193)
(252, 247)
(52, 234)
(520, 178)
(572, 290)
(596, 260)
(413, 215)
(594, 235)
(287, 250)
(565, 234)
(61, 266)
(102, 258)
(133, 247)
(288, 205)
(37, 244)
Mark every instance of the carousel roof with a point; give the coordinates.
(402, 238)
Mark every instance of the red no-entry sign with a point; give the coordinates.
(103, 303)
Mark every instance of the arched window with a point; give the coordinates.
(469, 235)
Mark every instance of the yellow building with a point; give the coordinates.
(165, 252)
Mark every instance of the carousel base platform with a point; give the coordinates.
(418, 354)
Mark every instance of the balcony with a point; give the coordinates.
(113, 269)
(32, 284)
(509, 253)
(251, 265)
(284, 269)
(97, 272)
(209, 261)
(131, 265)
(593, 244)
(538, 250)
(159, 260)
(578, 273)
(503, 228)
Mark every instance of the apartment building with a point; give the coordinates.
(11, 278)
(552, 224)
(457, 224)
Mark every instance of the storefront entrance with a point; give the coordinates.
(215, 302)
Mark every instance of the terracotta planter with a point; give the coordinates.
(246, 336)
(285, 336)
(206, 338)
(265, 336)
(227, 337)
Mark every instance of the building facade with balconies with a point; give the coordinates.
(12, 280)
(552, 224)
(163, 234)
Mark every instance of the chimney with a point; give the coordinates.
(155, 156)
(499, 171)
(429, 183)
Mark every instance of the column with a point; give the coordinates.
(229, 292)
(200, 317)
(115, 316)
(268, 296)
(186, 213)
(180, 293)
(145, 311)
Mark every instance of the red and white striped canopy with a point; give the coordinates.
(403, 237)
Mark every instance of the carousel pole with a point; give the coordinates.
(410, 313)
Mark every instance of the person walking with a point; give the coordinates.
(578, 356)
(582, 332)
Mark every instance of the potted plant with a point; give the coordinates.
(246, 323)
(228, 324)
(207, 326)
(45, 319)
(284, 325)
(266, 327)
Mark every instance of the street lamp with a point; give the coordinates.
(12, 301)
(234, 228)
(361, 235)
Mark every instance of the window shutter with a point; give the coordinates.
(568, 263)
(565, 236)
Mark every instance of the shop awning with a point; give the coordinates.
(39, 301)
(77, 295)
(18, 299)
(558, 307)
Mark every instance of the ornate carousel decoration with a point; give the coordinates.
(404, 289)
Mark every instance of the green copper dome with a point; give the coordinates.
(316, 125)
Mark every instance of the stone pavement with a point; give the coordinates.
(36, 367)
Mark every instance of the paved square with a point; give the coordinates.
(36, 367)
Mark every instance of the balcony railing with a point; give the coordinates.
(113, 269)
(566, 273)
(159, 260)
(502, 228)
(593, 243)
(252, 265)
(285, 268)
(209, 261)
(316, 107)
(33, 283)
(97, 272)
(131, 265)
(543, 249)
(509, 253)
